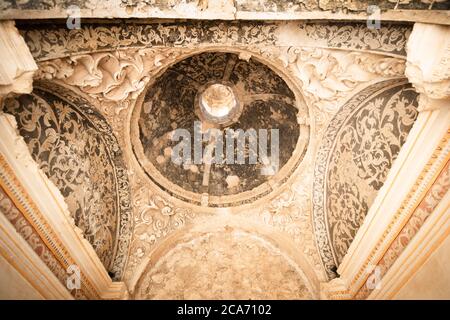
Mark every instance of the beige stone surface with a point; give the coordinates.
(432, 280)
(231, 264)
(13, 286)
(421, 10)
(17, 66)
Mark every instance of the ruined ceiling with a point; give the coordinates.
(221, 265)
(108, 97)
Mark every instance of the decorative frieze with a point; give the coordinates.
(57, 41)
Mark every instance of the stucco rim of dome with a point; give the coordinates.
(217, 121)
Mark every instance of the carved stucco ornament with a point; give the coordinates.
(327, 76)
(430, 74)
(155, 217)
(290, 213)
(113, 78)
(17, 65)
(181, 7)
(357, 150)
(53, 42)
(109, 76)
(85, 161)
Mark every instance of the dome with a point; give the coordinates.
(237, 120)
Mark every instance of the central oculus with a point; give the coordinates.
(218, 90)
(218, 104)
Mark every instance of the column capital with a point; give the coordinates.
(428, 64)
(17, 65)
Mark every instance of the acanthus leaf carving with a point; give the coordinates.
(155, 218)
(327, 76)
(430, 75)
(109, 76)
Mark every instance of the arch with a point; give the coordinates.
(76, 148)
(356, 152)
(226, 223)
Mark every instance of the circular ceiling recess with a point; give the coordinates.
(219, 131)
(217, 104)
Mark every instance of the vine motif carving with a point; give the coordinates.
(155, 218)
(359, 37)
(75, 147)
(54, 42)
(358, 149)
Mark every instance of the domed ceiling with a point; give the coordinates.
(120, 108)
(218, 90)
